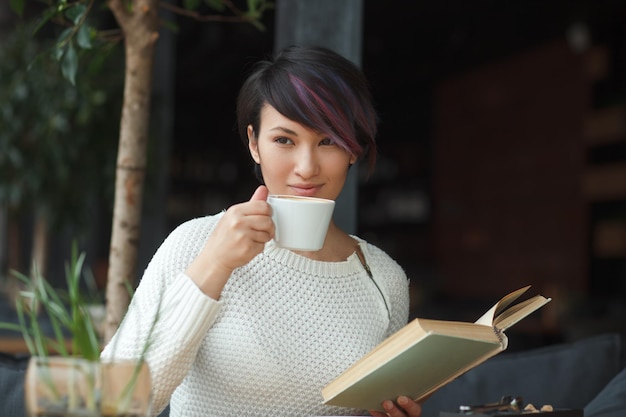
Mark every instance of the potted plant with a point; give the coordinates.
(65, 376)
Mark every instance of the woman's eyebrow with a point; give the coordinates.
(284, 130)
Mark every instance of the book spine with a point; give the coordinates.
(498, 333)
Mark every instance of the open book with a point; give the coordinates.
(426, 354)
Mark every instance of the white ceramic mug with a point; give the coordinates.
(301, 222)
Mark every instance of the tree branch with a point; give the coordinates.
(238, 15)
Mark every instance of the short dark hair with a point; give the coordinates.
(317, 88)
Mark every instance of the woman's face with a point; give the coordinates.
(296, 160)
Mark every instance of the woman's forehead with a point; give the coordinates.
(273, 120)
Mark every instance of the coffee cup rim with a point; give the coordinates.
(299, 197)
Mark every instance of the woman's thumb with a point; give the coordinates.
(260, 193)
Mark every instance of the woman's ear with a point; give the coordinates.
(253, 145)
(353, 159)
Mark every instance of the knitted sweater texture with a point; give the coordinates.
(284, 327)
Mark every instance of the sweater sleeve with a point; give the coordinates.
(168, 316)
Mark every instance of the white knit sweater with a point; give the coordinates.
(284, 327)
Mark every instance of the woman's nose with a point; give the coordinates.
(307, 164)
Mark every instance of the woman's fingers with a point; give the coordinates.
(410, 407)
(403, 407)
(242, 233)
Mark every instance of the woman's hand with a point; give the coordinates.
(403, 407)
(238, 237)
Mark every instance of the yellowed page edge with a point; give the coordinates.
(515, 313)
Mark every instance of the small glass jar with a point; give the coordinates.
(75, 387)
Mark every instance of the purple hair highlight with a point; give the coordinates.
(328, 117)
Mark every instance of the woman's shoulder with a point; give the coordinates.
(378, 258)
(392, 280)
(198, 222)
(196, 229)
(375, 252)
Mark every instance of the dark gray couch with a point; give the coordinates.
(12, 370)
(587, 374)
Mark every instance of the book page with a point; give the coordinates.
(488, 319)
(515, 313)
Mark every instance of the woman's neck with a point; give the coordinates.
(338, 246)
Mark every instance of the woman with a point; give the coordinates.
(241, 326)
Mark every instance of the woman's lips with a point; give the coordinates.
(305, 190)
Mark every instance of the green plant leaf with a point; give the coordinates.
(76, 13)
(18, 7)
(171, 25)
(69, 65)
(64, 38)
(65, 310)
(191, 4)
(62, 45)
(217, 5)
(11, 326)
(83, 37)
(26, 331)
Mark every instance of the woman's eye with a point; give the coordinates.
(283, 140)
(327, 141)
